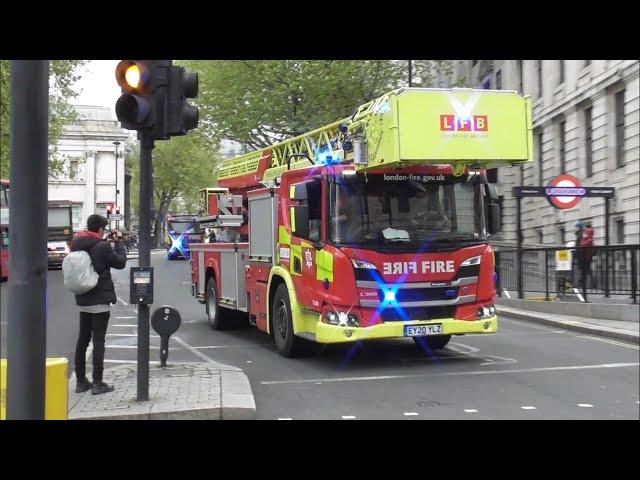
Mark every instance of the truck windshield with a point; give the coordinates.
(381, 210)
(181, 227)
(59, 217)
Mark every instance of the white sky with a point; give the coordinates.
(98, 84)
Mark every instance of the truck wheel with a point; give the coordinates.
(433, 343)
(211, 303)
(282, 322)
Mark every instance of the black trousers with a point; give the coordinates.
(91, 325)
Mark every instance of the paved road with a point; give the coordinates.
(525, 371)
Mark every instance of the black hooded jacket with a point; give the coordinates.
(103, 258)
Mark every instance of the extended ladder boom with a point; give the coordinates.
(403, 127)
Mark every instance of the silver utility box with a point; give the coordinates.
(263, 227)
(232, 277)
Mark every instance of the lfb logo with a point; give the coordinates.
(473, 123)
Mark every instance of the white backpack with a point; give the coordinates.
(78, 271)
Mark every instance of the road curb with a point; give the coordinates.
(583, 327)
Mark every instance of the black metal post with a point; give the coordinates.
(634, 277)
(519, 250)
(410, 73)
(27, 322)
(144, 260)
(116, 206)
(546, 275)
(606, 242)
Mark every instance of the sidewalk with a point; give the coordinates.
(621, 330)
(180, 391)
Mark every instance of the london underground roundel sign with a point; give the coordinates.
(565, 191)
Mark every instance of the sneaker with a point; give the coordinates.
(100, 388)
(83, 385)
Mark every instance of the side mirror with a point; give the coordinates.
(300, 220)
(493, 210)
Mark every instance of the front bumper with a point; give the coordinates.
(326, 333)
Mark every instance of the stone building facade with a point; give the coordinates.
(90, 160)
(586, 124)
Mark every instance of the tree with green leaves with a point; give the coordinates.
(63, 74)
(260, 102)
(181, 167)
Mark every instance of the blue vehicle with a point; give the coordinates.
(182, 230)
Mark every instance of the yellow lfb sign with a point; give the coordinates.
(455, 125)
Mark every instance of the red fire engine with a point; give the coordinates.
(375, 226)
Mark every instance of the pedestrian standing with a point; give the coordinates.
(95, 305)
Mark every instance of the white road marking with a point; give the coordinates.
(611, 342)
(232, 346)
(193, 350)
(122, 335)
(131, 347)
(126, 317)
(134, 362)
(585, 405)
(410, 414)
(124, 325)
(285, 418)
(528, 407)
(249, 361)
(348, 417)
(473, 372)
(122, 301)
(471, 410)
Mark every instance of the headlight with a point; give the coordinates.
(352, 320)
(332, 318)
(362, 264)
(485, 312)
(471, 261)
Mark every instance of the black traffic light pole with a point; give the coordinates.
(27, 323)
(144, 259)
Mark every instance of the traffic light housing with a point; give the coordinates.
(135, 107)
(153, 99)
(181, 116)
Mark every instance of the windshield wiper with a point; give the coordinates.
(459, 238)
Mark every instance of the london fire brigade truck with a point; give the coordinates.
(372, 227)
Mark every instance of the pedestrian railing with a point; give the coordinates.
(578, 271)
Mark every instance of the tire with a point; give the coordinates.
(216, 321)
(432, 343)
(287, 343)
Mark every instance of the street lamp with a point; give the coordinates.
(117, 144)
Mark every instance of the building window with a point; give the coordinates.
(101, 209)
(539, 160)
(561, 65)
(562, 151)
(587, 63)
(77, 217)
(539, 67)
(588, 141)
(474, 62)
(619, 231)
(539, 235)
(619, 119)
(560, 233)
(499, 80)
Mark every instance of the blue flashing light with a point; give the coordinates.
(390, 296)
(178, 244)
(451, 293)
